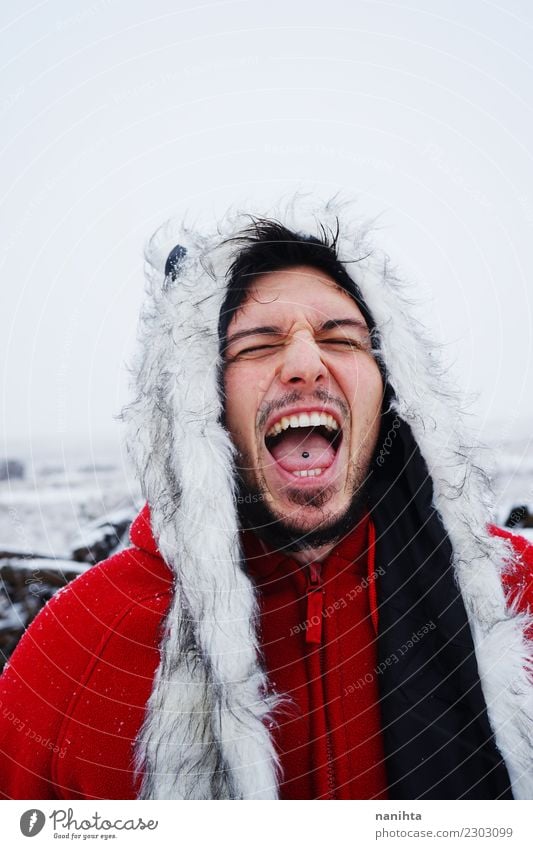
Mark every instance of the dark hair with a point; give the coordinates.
(269, 246)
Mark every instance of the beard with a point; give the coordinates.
(286, 535)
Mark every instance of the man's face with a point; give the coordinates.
(303, 396)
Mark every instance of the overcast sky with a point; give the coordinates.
(119, 114)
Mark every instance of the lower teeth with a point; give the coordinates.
(305, 473)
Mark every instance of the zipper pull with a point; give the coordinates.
(315, 601)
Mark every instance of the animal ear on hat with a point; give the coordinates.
(174, 259)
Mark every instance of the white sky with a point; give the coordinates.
(119, 114)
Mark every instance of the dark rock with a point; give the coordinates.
(101, 538)
(11, 470)
(26, 585)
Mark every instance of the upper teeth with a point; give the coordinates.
(303, 420)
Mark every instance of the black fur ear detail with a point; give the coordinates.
(173, 261)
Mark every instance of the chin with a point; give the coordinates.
(303, 517)
(308, 507)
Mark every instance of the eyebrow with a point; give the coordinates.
(272, 330)
(333, 323)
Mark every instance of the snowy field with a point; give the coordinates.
(60, 495)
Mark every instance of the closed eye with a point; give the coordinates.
(348, 343)
(254, 349)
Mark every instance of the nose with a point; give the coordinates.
(302, 364)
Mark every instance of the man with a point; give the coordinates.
(314, 605)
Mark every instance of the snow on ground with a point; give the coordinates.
(49, 564)
(45, 513)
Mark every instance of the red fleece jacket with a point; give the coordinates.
(73, 697)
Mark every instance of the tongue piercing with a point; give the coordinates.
(305, 454)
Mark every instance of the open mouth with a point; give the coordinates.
(304, 444)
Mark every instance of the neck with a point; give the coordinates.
(312, 555)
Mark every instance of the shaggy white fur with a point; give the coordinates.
(206, 733)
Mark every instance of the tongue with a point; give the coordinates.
(294, 443)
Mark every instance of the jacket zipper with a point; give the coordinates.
(315, 604)
(313, 635)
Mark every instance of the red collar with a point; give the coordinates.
(141, 532)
